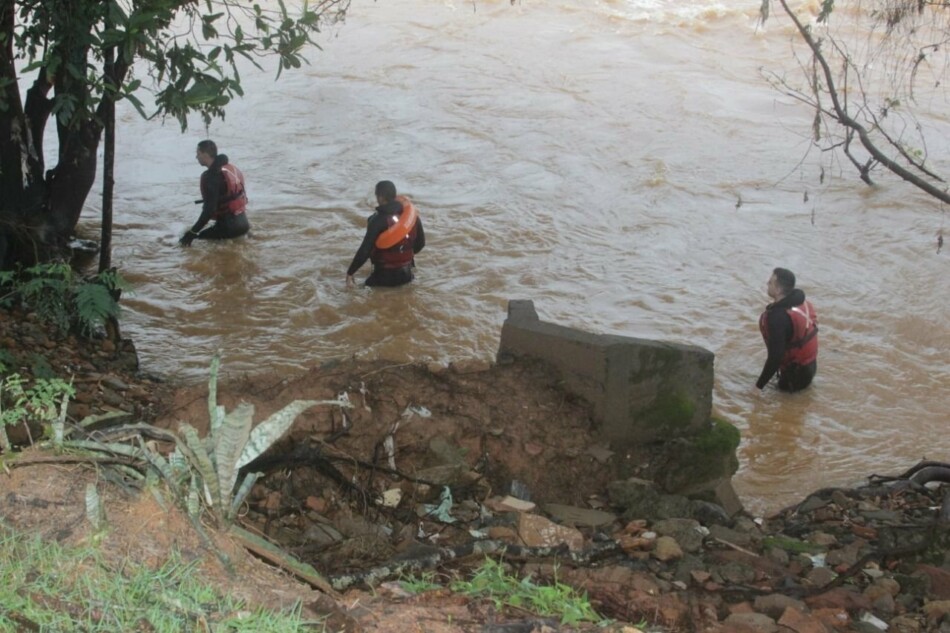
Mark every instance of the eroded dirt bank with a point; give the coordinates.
(868, 559)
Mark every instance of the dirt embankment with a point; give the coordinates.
(353, 490)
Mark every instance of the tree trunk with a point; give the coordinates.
(21, 168)
(108, 164)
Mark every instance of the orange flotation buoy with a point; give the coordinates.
(401, 227)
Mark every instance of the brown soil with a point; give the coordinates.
(507, 424)
(482, 430)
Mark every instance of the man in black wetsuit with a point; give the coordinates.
(391, 242)
(223, 198)
(789, 326)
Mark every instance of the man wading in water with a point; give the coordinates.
(393, 237)
(223, 198)
(789, 326)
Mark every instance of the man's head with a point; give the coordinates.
(207, 152)
(781, 283)
(385, 191)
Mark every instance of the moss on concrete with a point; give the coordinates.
(721, 438)
(671, 410)
(704, 457)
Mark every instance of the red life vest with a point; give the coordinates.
(234, 201)
(802, 349)
(400, 254)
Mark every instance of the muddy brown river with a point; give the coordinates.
(622, 163)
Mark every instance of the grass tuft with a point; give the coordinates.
(48, 587)
(492, 581)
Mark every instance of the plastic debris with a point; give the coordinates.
(364, 392)
(441, 511)
(390, 445)
(421, 411)
(392, 497)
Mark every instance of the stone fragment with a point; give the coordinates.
(114, 383)
(839, 598)
(600, 453)
(533, 449)
(686, 532)
(795, 619)
(936, 610)
(317, 504)
(322, 534)
(667, 549)
(504, 533)
(630, 544)
(775, 604)
(819, 577)
(537, 531)
(572, 515)
(938, 580)
(750, 623)
(509, 504)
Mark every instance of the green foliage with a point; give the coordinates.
(41, 402)
(202, 472)
(39, 366)
(721, 438)
(425, 581)
(233, 441)
(48, 587)
(492, 581)
(63, 298)
(7, 361)
(44, 402)
(191, 71)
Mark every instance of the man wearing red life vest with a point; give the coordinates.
(789, 326)
(393, 237)
(223, 199)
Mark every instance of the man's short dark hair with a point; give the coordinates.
(208, 147)
(386, 190)
(785, 279)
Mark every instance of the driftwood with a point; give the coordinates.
(432, 559)
(914, 478)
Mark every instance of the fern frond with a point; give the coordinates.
(94, 305)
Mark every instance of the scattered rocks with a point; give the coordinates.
(104, 375)
(842, 560)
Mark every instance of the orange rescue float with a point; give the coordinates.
(401, 227)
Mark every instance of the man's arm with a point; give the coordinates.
(373, 228)
(210, 203)
(420, 242)
(208, 206)
(778, 324)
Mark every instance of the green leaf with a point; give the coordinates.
(215, 415)
(198, 456)
(246, 485)
(137, 104)
(94, 305)
(193, 502)
(272, 429)
(93, 506)
(229, 442)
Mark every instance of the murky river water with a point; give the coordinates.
(590, 156)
